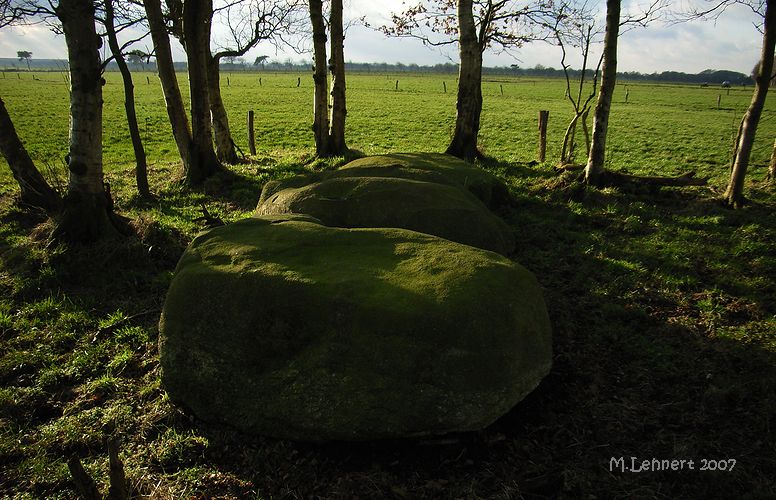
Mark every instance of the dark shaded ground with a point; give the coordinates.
(665, 347)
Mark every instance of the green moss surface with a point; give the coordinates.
(427, 207)
(429, 167)
(285, 327)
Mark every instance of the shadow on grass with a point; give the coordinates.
(663, 319)
(656, 309)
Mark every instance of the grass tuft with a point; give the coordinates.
(661, 304)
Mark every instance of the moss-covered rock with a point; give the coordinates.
(427, 207)
(429, 167)
(284, 327)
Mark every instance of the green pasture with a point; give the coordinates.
(661, 302)
(661, 129)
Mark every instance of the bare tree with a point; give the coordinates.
(176, 110)
(595, 160)
(337, 143)
(320, 79)
(475, 25)
(594, 170)
(248, 23)
(88, 210)
(196, 18)
(764, 74)
(35, 190)
(109, 21)
(469, 101)
(580, 33)
(329, 131)
(7, 14)
(87, 213)
(734, 194)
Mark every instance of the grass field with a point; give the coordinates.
(661, 303)
(661, 129)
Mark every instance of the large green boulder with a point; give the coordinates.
(429, 167)
(427, 207)
(284, 327)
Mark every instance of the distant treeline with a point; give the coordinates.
(709, 76)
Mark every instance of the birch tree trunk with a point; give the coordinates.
(772, 166)
(197, 18)
(176, 111)
(734, 195)
(338, 109)
(595, 162)
(320, 79)
(35, 190)
(469, 101)
(141, 167)
(86, 216)
(225, 151)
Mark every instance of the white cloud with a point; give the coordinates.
(37, 39)
(731, 42)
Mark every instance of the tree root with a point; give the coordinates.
(568, 167)
(618, 179)
(86, 485)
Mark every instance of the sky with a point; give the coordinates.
(731, 42)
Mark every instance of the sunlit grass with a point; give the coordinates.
(661, 303)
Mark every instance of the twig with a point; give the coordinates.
(84, 483)
(208, 219)
(118, 480)
(118, 324)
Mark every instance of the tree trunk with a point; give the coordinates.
(595, 160)
(320, 78)
(567, 151)
(734, 195)
(176, 111)
(225, 151)
(35, 190)
(197, 18)
(586, 130)
(338, 109)
(141, 167)
(469, 101)
(772, 166)
(87, 210)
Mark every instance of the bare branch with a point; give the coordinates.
(500, 24)
(250, 22)
(654, 11)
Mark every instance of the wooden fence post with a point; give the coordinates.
(251, 134)
(444, 85)
(544, 117)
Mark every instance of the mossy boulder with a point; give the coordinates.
(284, 327)
(429, 167)
(427, 207)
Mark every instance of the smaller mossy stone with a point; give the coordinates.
(427, 207)
(429, 167)
(432, 167)
(284, 327)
